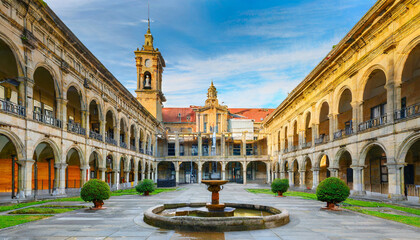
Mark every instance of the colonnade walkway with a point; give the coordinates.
(124, 214)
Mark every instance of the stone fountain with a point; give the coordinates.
(215, 216)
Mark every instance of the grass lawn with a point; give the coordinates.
(12, 220)
(43, 210)
(358, 205)
(134, 192)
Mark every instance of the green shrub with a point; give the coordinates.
(145, 186)
(95, 190)
(332, 190)
(280, 185)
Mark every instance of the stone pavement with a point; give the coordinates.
(123, 220)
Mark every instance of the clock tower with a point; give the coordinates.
(150, 64)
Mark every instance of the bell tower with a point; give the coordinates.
(150, 64)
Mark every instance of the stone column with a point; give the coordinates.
(176, 165)
(390, 97)
(314, 133)
(85, 121)
(84, 175)
(25, 178)
(355, 113)
(200, 145)
(63, 104)
(395, 181)
(199, 165)
(176, 144)
(155, 175)
(102, 171)
(244, 165)
(291, 178)
(197, 116)
(29, 101)
(136, 172)
(315, 174)
(268, 168)
(333, 171)
(115, 179)
(223, 170)
(282, 174)
(358, 188)
(331, 117)
(223, 145)
(302, 179)
(62, 177)
(243, 147)
(149, 171)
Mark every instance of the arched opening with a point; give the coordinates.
(324, 124)
(376, 172)
(166, 171)
(279, 141)
(73, 174)
(44, 97)
(308, 173)
(133, 138)
(308, 130)
(324, 172)
(296, 174)
(141, 139)
(286, 140)
(74, 111)
(256, 172)
(212, 171)
(412, 170)
(131, 175)
(345, 115)
(295, 135)
(94, 121)
(374, 101)
(9, 180)
(234, 172)
(188, 172)
(43, 171)
(410, 85)
(122, 170)
(139, 171)
(123, 133)
(147, 80)
(109, 128)
(10, 88)
(286, 170)
(94, 166)
(148, 145)
(109, 177)
(345, 172)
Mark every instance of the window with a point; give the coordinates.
(181, 149)
(249, 149)
(377, 111)
(205, 150)
(171, 149)
(384, 170)
(236, 149)
(194, 150)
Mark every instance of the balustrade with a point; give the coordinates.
(38, 116)
(75, 128)
(95, 135)
(373, 123)
(11, 107)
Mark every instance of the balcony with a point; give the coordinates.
(38, 116)
(373, 123)
(341, 133)
(95, 135)
(75, 128)
(149, 152)
(123, 144)
(132, 147)
(408, 112)
(307, 145)
(111, 141)
(141, 150)
(322, 139)
(293, 148)
(7, 106)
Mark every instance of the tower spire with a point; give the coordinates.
(148, 18)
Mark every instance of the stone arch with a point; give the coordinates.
(405, 147)
(402, 59)
(296, 173)
(54, 75)
(95, 165)
(367, 147)
(365, 79)
(337, 95)
(16, 53)
(73, 169)
(307, 165)
(20, 148)
(79, 151)
(339, 153)
(53, 145)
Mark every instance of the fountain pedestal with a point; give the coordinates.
(215, 208)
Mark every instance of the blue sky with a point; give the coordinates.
(255, 51)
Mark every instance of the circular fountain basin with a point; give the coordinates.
(246, 217)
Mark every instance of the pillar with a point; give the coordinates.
(25, 178)
(395, 182)
(84, 174)
(355, 112)
(136, 172)
(200, 145)
(199, 165)
(268, 170)
(291, 178)
(63, 104)
(302, 179)
(243, 147)
(390, 90)
(223, 170)
(331, 117)
(102, 171)
(62, 178)
(29, 101)
(358, 188)
(333, 171)
(155, 175)
(176, 144)
(282, 174)
(314, 133)
(223, 146)
(315, 174)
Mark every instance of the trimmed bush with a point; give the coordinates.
(332, 190)
(146, 186)
(95, 191)
(280, 186)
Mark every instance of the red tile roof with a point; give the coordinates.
(172, 114)
(257, 114)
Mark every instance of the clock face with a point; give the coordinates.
(148, 63)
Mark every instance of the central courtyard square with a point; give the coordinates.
(123, 219)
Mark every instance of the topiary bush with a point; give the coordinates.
(332, 190)
(146, 186)
(95, 191)
(280, 186)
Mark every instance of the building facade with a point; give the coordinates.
(356, 115)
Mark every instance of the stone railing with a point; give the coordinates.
(75, 128)
(373, 123)
(132, 148)
(95, 135)
(111, 141)
(307, 145)
(322, 139)
(7, 106)
(411, 111)
(123, 144)
(38, 116)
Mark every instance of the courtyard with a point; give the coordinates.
(123, 218)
